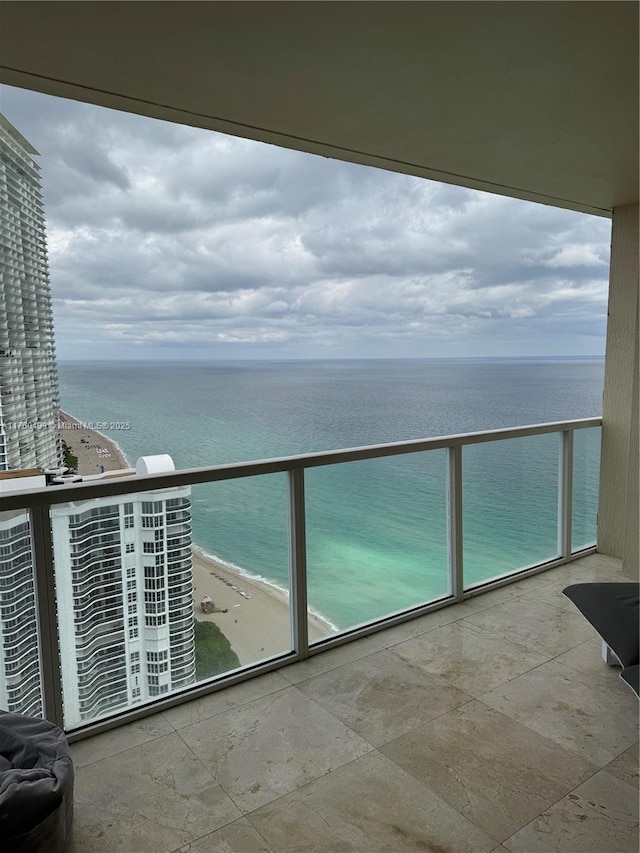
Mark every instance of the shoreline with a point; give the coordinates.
(256, 621)
(271, 586)
(93, 449)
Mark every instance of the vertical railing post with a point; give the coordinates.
(49, 646)
(298, 564)
(565, 494)
(454, 516)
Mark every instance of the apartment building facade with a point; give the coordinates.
(20, 688)
(29, 399)
(125, 600)
(124, 595)
(122, 567)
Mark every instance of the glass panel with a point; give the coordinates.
(376, 538)
(241, 562)
(586, 475)
(510, 505)
(20, 686)
(133, 572)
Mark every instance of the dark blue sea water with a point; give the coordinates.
(376, 530)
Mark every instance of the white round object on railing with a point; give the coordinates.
(159, 464)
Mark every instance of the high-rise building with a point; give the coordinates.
(122, 566)
(125, 605)
(28, 377)
(20, 688)
(124, 593)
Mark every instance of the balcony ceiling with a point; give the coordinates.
(536, 100)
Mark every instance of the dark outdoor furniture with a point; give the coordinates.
(614, 611)
(36, 786)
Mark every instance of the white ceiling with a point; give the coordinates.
(536, 100)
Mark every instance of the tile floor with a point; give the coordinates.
(488, 726)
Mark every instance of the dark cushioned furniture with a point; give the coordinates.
(614, 611)
(631, 674)
(36, 786)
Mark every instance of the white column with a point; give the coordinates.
(618, 520)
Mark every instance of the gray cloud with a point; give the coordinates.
(167, 241)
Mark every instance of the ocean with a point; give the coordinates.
(376, 529)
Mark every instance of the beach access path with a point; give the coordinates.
(257, 619)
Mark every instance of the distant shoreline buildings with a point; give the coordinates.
(123, 569)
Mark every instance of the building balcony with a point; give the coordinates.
(466, 710)
(472, 715)
(491, 722)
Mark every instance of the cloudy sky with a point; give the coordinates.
(168, 242)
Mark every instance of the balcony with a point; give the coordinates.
(466, 711)
(491, 722)
(538, 759)
(435, 548)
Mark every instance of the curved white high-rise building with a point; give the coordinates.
(19, 656)
(28, 406)
(28, 378)
(124, 592)
(123, 565)
(125, 600)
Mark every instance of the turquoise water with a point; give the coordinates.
(376, 529)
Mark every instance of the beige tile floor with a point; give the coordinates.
(489, 726)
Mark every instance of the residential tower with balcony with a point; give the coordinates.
(124, 595)
(28, 377)
(123, 567)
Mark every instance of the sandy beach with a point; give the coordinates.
(95, 452)
(257, 619)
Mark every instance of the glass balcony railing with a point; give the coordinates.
(510, 510)
(110, 608)
(370, 571)
(586, 448)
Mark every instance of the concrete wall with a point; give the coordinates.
(631, 549)
(618, 520)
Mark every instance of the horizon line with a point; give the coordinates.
(600, 357)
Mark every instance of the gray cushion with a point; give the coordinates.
(614, 611)
(631, 676)
(36, 786)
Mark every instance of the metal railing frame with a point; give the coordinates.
(38, 503)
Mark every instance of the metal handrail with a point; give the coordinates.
(89, 490)
(39, 502)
